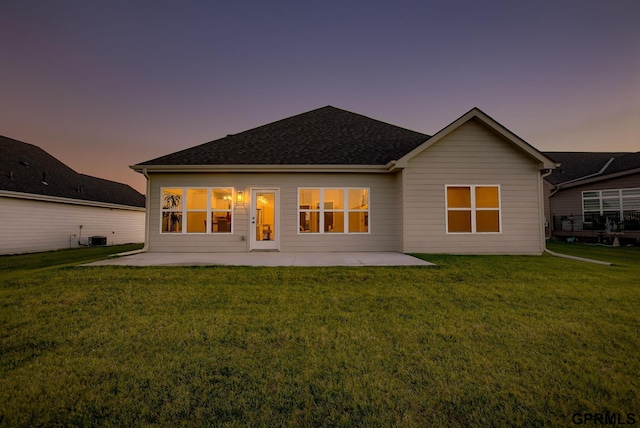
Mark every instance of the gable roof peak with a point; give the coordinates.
(477, 114)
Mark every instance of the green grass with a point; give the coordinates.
(475, 341)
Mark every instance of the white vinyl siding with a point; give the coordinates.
(32, 226)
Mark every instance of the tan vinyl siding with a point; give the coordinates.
(32, 226)
(472, 155)
(383, 226)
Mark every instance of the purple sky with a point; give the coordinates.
(104, 85)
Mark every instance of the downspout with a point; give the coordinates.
(146, 221)
(543, 175)
(147, 212)
(565, 256)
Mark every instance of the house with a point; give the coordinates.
(591, 194)
(333, 180)
(45, 205)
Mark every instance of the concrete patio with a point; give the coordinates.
(265, 259)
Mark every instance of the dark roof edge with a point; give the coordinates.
(71, 201)
(574, 183)
(141, 168)
(595, 174)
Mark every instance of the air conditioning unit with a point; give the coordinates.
(97, 240)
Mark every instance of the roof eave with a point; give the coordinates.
(263, 168)
(63, 200)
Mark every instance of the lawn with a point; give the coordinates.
(475, 341)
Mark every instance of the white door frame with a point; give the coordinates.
(274, 243)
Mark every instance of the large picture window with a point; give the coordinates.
(617, 204)
(197, 210)
(333, 210)
(473, 209)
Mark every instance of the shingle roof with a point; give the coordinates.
(325, 136)
(577, 165)
(25, 168)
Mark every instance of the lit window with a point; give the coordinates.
(333, 210)
(473, 209)
(197, 210)
(221, 210)
(172, 210)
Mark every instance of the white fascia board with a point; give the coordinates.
(262, 168)
(61, 200)
(491, 123)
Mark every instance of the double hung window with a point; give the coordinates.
(473, 209)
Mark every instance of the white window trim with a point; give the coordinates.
(209, 211)
(321, 210)
(600, 199)
(473, 208)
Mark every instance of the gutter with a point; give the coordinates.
(63, 200)
(262, 168)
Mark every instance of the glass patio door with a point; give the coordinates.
(265, 219)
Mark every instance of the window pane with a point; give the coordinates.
(611, 204)
(358, 222)
(310, 222)
(197, 221)
(310, 198)
(591, 205)
(196, 199)
(334, 222)
(631, 192)
(459, 221)
(590, 194)
(459, 197)
(334, 199)
(488, 221)
(358, 199)
(221, 222)
(631, 204)
(172, 199)
(221, 198)
(172, 221)
(610, 193)
(487, 197)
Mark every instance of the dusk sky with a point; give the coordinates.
(102, 85)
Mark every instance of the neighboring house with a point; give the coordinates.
(591, 194)
(332, 180)
(45, 205)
